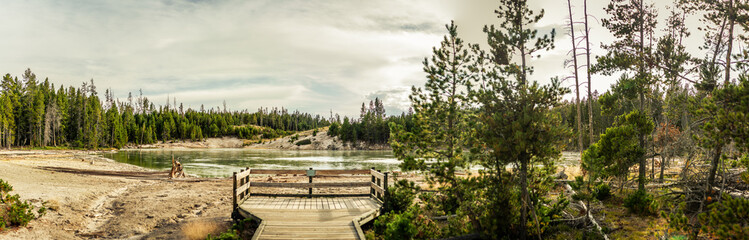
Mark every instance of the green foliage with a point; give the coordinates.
(409, 224)
(602, 191)
(294, 138)
(13, 211)
(237, 231)
(35, 114)
(618, 148)
(727, 219)
(640, 202)
(401, 196)
(304, 142)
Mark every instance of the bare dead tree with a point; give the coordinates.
(577, 83)
(587, 70)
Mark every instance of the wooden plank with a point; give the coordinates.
(278, 171)
(377, 188)
(242, 188)
(318, 172)
(307, 195)
(244, 173)
(343, 172)
(311, 185)
(377, 174)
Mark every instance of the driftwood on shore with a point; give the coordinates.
(177, 170)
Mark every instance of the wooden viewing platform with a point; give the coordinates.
(309, 216)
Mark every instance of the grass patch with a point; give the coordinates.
(241, 230)
(201, 229)
(623, 224)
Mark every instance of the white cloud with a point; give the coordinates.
(310, 55)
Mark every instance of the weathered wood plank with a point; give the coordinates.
(244, 173)
(318, 172)
(377, 188)
(377, 174)
(307, 195)
(311, 185)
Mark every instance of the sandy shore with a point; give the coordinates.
(93, 197)
(317, 141)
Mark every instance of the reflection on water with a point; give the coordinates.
(222, 162)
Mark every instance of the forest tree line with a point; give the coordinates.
(372, 126)
(34, 113)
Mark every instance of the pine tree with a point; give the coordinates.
(631, 22)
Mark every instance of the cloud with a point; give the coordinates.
(310, 55)
(315, 55)
(395, 100)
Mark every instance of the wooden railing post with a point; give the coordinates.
(371, 189)
(247, 181)
(234, 192)
(385, 187)
(310, 181)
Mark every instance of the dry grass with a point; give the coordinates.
(201, 228)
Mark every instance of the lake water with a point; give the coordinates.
(222, 162)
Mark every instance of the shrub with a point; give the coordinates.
(640, 202)
(603, 191)
(237, 231)
(410, 224)
(728, 219)
(400, 196)
(304, 142)
(14, 211)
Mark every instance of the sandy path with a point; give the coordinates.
(95, 204)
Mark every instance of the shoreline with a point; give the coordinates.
(89, 196)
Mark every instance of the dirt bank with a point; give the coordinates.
(224, 142)
(93, 197)
(309, 140)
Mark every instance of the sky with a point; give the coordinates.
(309, 55)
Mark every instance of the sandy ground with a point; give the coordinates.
(320, 141)
(92, 197)
(224, 142)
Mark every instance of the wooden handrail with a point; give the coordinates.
(242, 184)
(241, 189)
(319, 172)
(311, 185)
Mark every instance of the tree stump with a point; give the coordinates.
(177, 170)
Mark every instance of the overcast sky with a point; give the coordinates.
(309, 55)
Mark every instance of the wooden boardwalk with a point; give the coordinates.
(310, 218)
(301, 216)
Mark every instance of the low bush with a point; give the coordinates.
(409, 224)
(304, 142)
(240, 230)
(13, 211)
(728, 219)
(602, 191)
(640, 202)
(401, 196)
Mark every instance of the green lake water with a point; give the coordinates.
(222, 162)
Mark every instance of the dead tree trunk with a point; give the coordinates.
(577, 83)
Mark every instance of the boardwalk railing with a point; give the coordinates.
(243, 185)
(378, 189)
